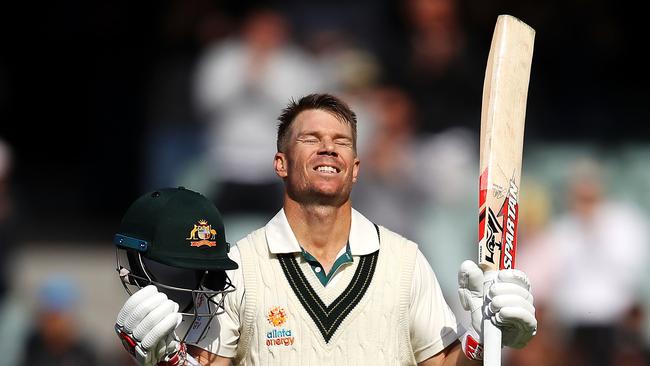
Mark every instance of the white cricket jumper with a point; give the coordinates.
(363, 328)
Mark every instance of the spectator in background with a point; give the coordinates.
(447, 166)
(353, 72)
(387, 188)
(420, 185)
(430, 60)
(601, 247)
(173, 133)
(239, 83)
(535, 256)
(54, 340)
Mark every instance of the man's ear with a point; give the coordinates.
(355, 170)
(280, 164)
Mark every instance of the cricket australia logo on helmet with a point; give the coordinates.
(202, 234)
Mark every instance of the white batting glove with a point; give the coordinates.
(509, 305)
(146, 325)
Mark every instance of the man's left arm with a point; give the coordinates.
(451, 356)
(509, 307)
(432, 325)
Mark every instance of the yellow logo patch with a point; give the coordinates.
(202, 234)
(277, 316)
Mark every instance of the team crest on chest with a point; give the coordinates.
(278, 335)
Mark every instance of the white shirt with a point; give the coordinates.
(603, 263)
(240, 103)
(433, 325)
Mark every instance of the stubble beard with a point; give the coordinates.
(310, 196)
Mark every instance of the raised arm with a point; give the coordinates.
(452, 355)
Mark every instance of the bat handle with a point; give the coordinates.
(491, 334)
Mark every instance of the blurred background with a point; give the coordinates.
(103, 101)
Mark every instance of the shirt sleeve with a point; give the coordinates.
(433, 325)
(223, 335)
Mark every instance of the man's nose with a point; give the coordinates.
(327, 147)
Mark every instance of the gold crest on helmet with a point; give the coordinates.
(202, 234)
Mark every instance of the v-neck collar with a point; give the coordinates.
(281, 239)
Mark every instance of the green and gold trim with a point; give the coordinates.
(328, 318)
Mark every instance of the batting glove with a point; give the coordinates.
(509, 306)
(146, 325)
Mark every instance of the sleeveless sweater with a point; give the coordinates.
(291, 319)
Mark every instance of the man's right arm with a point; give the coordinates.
(206, 358)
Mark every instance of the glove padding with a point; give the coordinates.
(509, 304)
(149, 318)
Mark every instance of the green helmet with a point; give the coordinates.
(176, 227)
(175, 239)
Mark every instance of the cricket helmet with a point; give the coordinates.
(174, 238)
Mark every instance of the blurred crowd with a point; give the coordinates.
(586, 265)
(212, 99)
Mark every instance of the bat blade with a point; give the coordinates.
(503, 113)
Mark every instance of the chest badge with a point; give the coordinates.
(278, 335)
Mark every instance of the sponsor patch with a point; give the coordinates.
(278, 335)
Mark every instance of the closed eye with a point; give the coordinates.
(308, 140)
(343, 142)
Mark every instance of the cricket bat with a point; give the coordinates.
(503, 112)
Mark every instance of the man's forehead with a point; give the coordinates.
(313, 120)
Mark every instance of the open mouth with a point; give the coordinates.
(327, 169)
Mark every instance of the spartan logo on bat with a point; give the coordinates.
(511, 213)
(494, 229)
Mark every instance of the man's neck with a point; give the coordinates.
(320, 229)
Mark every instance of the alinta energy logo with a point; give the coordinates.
(278, 336)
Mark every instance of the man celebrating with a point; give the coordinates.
(320, 284)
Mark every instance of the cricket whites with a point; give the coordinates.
(503, 113)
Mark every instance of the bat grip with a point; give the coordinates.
(491, 334)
